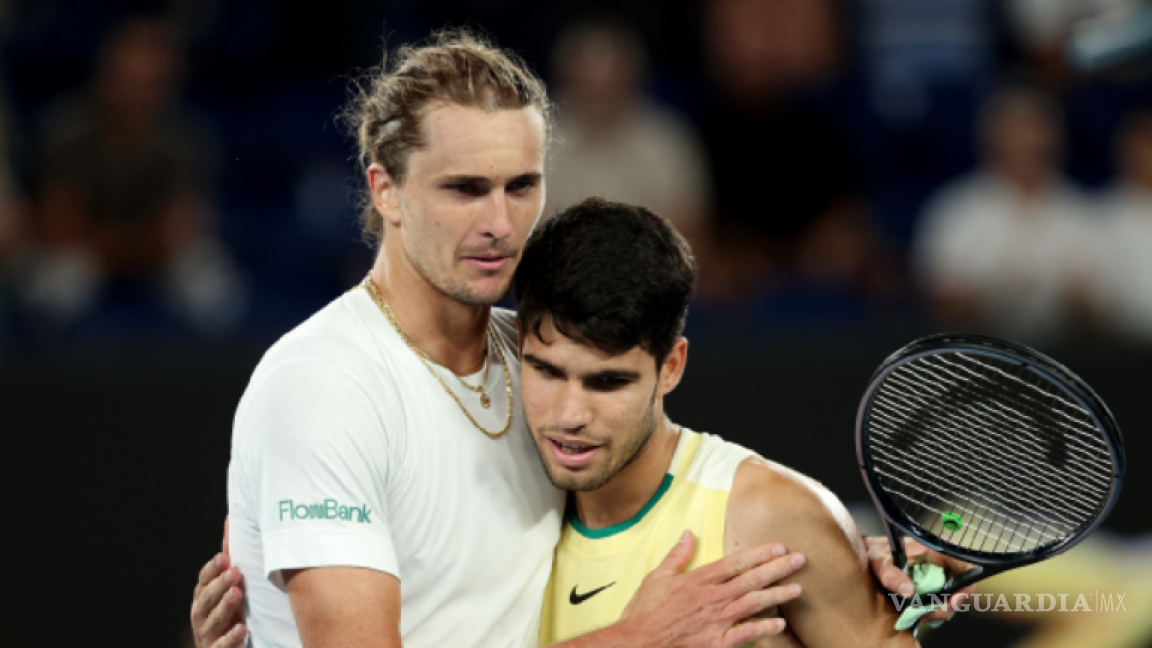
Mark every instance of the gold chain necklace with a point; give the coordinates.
(425, 359)
(482, 361)
(485, 402)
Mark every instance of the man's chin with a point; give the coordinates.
(478, 298)
(578, 482)
(481, 295)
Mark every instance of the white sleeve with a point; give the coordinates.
(314, 450)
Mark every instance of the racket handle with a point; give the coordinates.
(961, 581)
(895, 541)
(951, 587)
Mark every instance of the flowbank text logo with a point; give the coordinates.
(329, 509)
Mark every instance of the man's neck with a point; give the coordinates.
(451, 332)
(630, 489)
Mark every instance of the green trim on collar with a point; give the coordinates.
(609, 531)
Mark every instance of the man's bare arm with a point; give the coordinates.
(672, 608)
(345, 607)
(842, 603)
(333, 606)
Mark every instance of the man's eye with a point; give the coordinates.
(521, 186)
(606, 384)
(465, 188)
(547, 372)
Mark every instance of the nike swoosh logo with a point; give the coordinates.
(577, 599)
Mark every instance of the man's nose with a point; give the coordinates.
(574, 411)
(497, 222)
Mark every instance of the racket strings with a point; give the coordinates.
(997, 407)
(1036, 481)
(1002, 445)
(983, 459)
(994, 457)
(981, 525)
(1002, 504)
(1079, 422)
(985, 529)
(1039, 387)
(959, 500)
(993, 402)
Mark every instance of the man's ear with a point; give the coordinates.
(384, 194)
(672, 369)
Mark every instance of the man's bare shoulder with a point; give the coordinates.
(841, 604)
(771, 502)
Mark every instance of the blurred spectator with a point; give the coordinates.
(786, 178)
(11, 214)
(126, 194)
(12, 209)
(1044, 27)
(11, 199)
(1006, 250)
(613, 141)
(1122, 286)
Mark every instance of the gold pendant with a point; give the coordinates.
(485, 402)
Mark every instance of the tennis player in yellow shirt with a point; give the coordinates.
(602, 294)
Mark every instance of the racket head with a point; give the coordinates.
(1067, 437)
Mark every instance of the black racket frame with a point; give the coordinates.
(986, 563)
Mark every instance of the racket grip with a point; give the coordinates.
(896, 543)
(945, 592)
(961, 581)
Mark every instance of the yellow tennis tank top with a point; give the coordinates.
(595, 572)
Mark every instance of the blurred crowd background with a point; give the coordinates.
(175, 171)
(176, 192)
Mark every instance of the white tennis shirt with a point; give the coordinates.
(347, 451)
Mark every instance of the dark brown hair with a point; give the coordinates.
(610, 275)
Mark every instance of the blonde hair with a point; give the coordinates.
(455, 66)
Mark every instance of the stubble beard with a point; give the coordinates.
(628, 453)
(455, 288)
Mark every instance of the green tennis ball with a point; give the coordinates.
(952, 521)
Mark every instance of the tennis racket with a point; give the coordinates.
(986, 451)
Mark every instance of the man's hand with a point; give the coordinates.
(704, 606)
(895, 580)
(216, 607)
